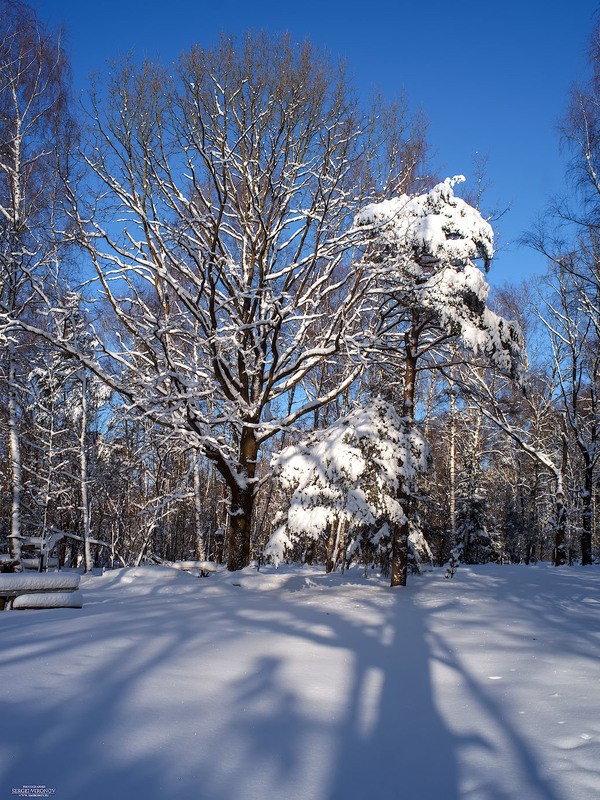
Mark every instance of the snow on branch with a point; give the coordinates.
(424, 249)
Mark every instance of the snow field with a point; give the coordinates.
(297, 685)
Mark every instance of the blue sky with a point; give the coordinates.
(491, 78)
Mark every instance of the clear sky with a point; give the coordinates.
(492, 78)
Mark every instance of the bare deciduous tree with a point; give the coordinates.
(33, 125)
(230, 183)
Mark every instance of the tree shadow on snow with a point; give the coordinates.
(384, 738)
(338, 709)
(315, 694)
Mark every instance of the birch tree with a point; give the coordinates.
(32, 123)
(571, 311)
(540, 432)
(572, 318)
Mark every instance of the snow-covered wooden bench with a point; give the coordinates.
(43, 590)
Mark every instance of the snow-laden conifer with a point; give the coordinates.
(423, 252)
(344, 481)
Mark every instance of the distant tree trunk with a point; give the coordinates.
(84, 476)
(560, 535)
(560, 553)
(200, 552)
(311, 552)
(48, 485)
(15, 457)
(531, 535)
(586, 533)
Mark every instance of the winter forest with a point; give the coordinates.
(244, 321)
(329, 492)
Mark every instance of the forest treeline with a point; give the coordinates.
(241, 320)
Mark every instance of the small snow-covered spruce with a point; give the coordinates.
(477, 544)
(454, 561)
(344, 482)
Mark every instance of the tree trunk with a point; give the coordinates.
(452, 465)
(200, 552)
(586, 533)
(400, 533)
(48, 484)
(331, 545)
(311, 552)
(84, 477)
(240, 517)
(15, 457)
(336, 547)
(560, 535)
(399, 565)
(242, 503)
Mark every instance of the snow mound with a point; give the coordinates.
(291, 578)
(144, 580)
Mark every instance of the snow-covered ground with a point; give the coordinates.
(298, 685)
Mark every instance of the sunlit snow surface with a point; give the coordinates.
(297, 685)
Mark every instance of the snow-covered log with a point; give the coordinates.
(18, 583)
(42, 587)
(49, 600)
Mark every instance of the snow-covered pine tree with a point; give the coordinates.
(344, 482)
(423, 251)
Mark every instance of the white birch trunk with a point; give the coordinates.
(15, 458)
(84, 478)
(452, 464)
(48, 484)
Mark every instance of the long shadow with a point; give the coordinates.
(377, 742)
(406, 750)
(564, 601)
(360, 712)
(549, 606)
(68, 718)
(498, 733)
(224, 693)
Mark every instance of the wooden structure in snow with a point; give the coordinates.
(42, 590)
